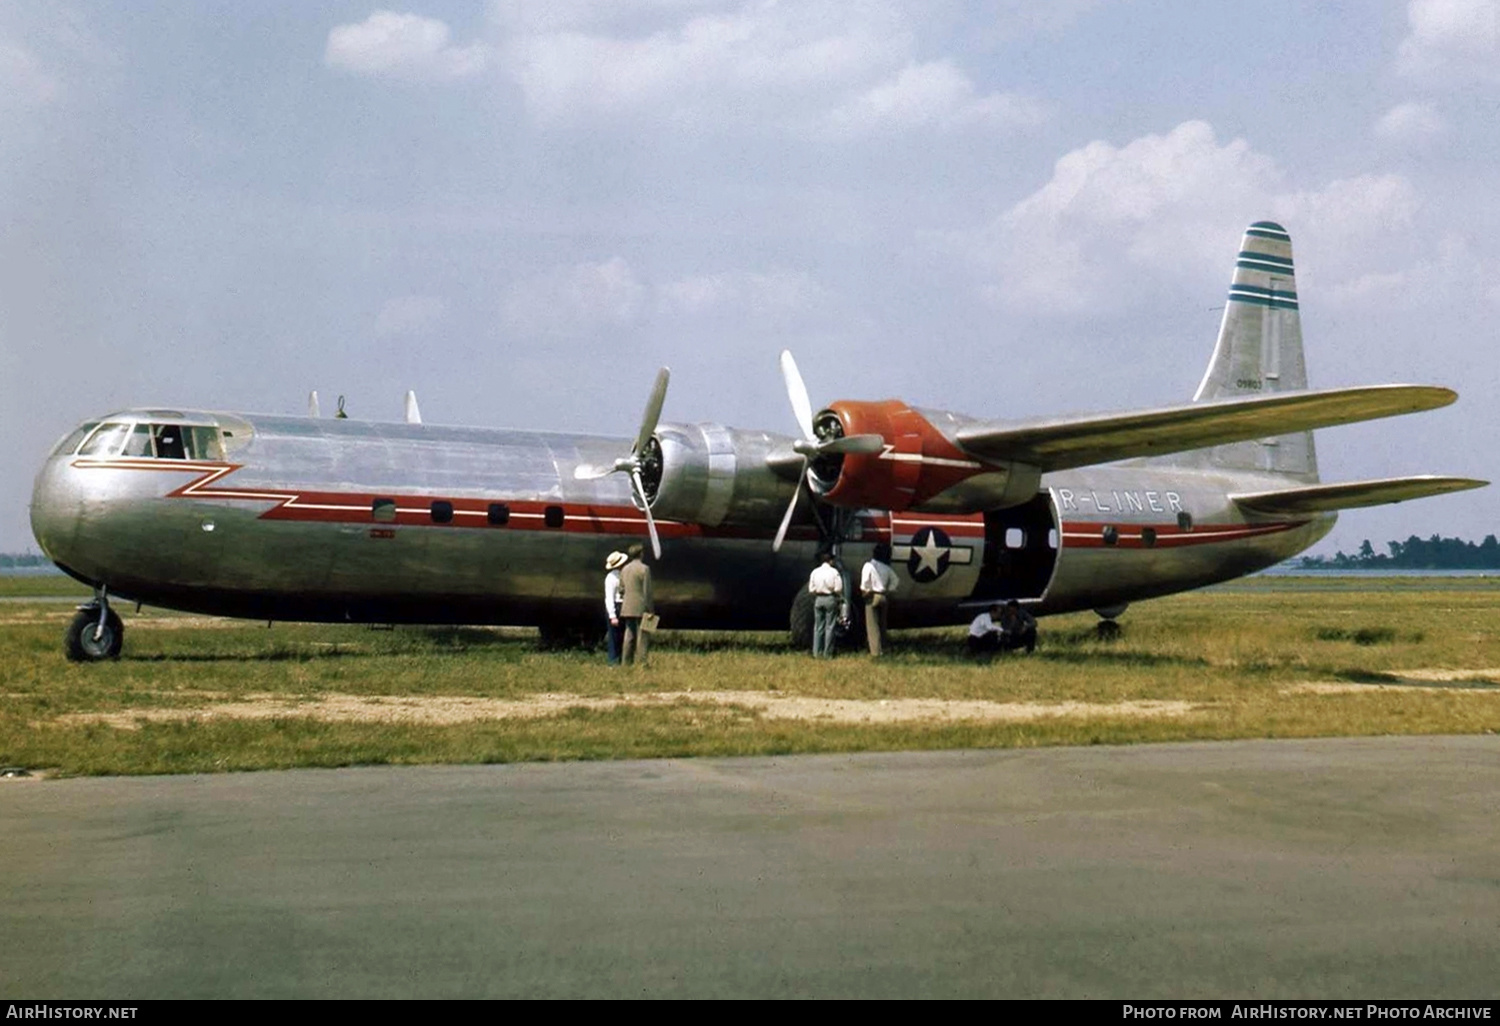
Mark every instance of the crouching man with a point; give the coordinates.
(1001, 628)
(1017, 628)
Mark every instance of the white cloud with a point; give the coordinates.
(1454, 38)
(936, 94)
(722, 63)
(576, 299)
(407, 316)
(1352, 209)
(1117, 225)
(1411, 123)
(404, 46)
(817, 66)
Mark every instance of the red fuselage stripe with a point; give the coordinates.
(530, 514)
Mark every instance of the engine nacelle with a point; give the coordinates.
(920, 468)
(710, 474)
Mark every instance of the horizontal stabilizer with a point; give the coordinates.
(1328, 498)
(1103, 438)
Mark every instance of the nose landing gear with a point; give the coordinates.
(96, 632)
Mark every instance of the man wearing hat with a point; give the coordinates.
(614, 594)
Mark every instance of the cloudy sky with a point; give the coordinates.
(522, 209)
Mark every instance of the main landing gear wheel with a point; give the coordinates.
(89, 641)
(801, 625)
(800, 633)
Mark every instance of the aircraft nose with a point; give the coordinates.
(55, 507)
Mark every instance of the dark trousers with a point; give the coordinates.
(614, 638)
(1023, 638)
(986, 645)
(983, 645)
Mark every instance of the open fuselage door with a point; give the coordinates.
(1020, 551)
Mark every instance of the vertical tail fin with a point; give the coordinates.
(1260, 351)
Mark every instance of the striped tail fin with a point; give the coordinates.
(1259, 352)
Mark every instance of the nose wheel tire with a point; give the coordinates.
(86, 642)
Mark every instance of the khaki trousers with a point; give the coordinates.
(633, 649)
(875, 606)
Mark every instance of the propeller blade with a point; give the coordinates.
(640, 493)
(589, 472)
(854, 444)
(653, 411)
(786, 520)
(796, 391)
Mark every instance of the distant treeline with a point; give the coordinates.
(11, 560)
(1415, 553)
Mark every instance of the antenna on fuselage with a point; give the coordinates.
(341, 415)
(413, 415)
(312, 404)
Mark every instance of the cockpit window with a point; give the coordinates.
(67, 446)
(106, 441)
(204, 443)
(139, 442)
(159, 441)
(169, 443)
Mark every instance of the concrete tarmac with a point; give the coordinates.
(1357, 868)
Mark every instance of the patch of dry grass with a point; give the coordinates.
(1241, 661)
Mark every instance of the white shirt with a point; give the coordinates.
(877, 579)
(614, 594)
(826, 580)
(983, 624)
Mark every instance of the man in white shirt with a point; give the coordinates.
(877, 582)
(984, 633)
(614, 594)
(827, 586)
(1002, 628)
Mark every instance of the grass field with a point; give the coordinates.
(1266, 657)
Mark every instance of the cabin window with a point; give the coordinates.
(1111, 534)
(442, 511)
(552, 516)
(499, 514)
(383, 511)
(1148, 536)
(1185, 520)
(1015, 538)
(69, 445)
(106, 441)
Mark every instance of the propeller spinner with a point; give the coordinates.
(639, 454)
(814, 444)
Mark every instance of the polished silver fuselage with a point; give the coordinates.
(282, 526)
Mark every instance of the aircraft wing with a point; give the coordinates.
(1327, 498)
(1103, 438)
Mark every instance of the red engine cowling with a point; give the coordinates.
(917, 464)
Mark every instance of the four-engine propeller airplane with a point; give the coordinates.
(301, 518)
